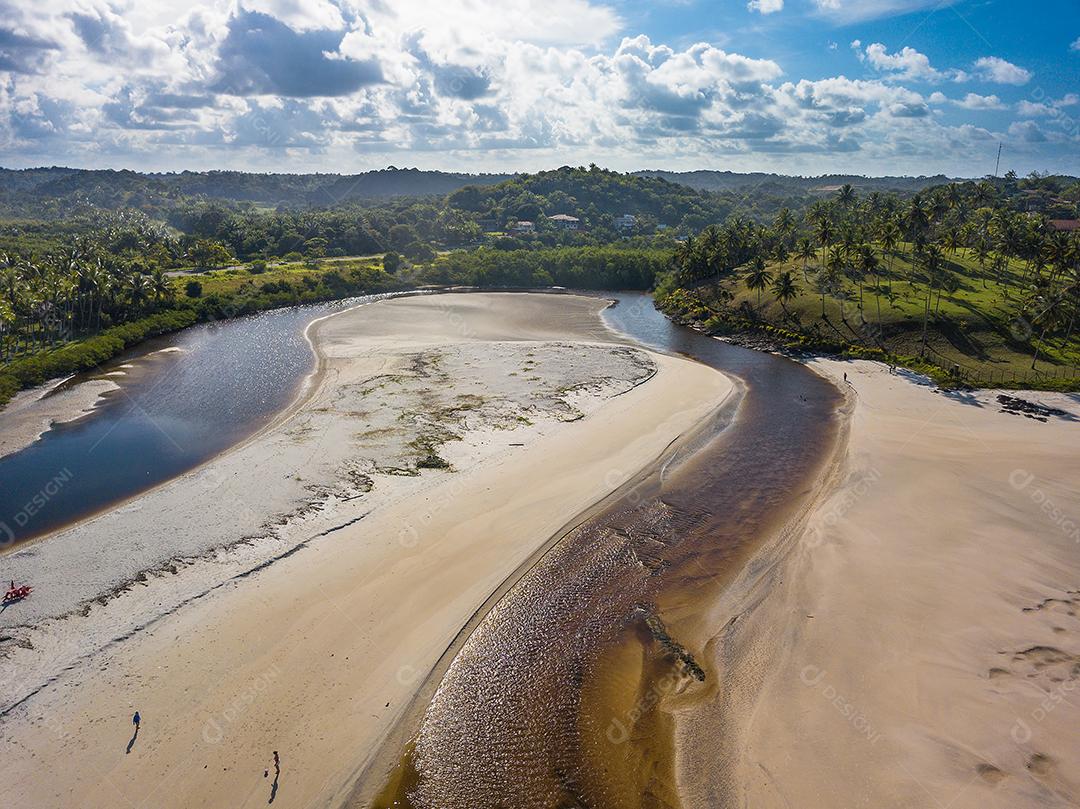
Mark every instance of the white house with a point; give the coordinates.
(523, 226)
(625, 222)
(565, 221)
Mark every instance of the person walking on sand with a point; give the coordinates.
(136, 720)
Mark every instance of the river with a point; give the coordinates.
(182, 399)
(560, 694)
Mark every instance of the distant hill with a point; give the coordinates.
(783, 184)
(591, 194)
(685, 201)
(32, 189)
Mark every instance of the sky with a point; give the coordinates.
(793, 86)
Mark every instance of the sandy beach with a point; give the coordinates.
(912, 639)
(32, 412)
(326, 565)
(918, 643)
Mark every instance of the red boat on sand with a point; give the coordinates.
(17, 593)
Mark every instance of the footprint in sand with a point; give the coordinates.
(989, 773)
(1040, 764)
(1067, 606)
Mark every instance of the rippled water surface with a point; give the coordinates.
(553, 699)
(185, 398)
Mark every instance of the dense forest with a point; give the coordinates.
(357, 212)
(973, 277)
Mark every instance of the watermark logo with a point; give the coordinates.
(1023, 481)
(619, 729)
(858, 487)
(33, 506)
(816, 678)
(217, 725)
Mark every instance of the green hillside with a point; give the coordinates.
(956, 282)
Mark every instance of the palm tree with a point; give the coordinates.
(1072, 295)
(805, 250)
(784, 224)
(836, 266)
(952, 240)
(889, 238)
(931, 259)
(685, 254)
(917, 220)
(824, 234)
(868, 263)
(785, 289)
(138, 289)
(159, 286)
(1051, 314)
(759, 277)
(710, 246)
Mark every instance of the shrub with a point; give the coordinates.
(9, 386)
(193, 289)
(92, 352)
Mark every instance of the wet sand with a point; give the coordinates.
(34, 411)
(317, 649)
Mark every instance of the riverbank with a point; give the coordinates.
(918, 643)
(30, 413)
(687, 308)
(449, 437)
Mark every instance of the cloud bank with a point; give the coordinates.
(341, 84)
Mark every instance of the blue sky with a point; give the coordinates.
(794, 86)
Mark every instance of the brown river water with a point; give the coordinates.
(562, 694)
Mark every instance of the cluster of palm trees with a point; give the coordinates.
(47, 301)
(845, 243)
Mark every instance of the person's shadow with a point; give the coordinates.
(134, 736)
(273, 787)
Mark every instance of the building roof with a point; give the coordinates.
(562, 217)
(1065, 224)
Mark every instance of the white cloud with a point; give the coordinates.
(1027, 132)
(997, 70)
(907, 64)
(974, 101)
(1046, 107)
(340, 84)
(766, 6)
(851, 11)
(1075, 46)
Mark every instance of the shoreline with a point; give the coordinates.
(282, 572)
(306, 388)
(920, 628)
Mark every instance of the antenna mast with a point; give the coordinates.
(997, 166)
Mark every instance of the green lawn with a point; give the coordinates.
(233, 279)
